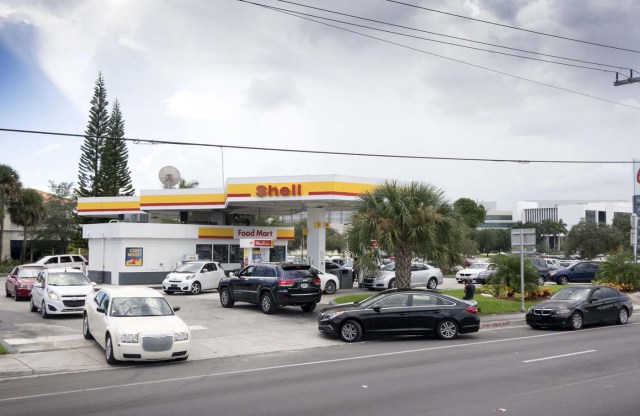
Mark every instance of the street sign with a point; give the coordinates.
(525, 238)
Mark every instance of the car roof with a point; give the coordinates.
(131, 291)
(64, 270)
(41, 266)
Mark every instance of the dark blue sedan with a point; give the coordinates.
(581, 272)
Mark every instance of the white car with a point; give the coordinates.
(193, 277)
(329, 282)
(135, 324)
(66, 261)
(60, 292)
(421, 275)
(472, 272)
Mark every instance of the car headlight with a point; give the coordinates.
(553, 273)
(129, 338)
(180, 336)
(563, 311)
(52, 295)
(191, 276)
(333, 315)
(530, 310)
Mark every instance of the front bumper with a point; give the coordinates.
(551, 321)
(135, 352)
(176, 285)
(58, 307)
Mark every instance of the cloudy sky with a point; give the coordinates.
(231, 73)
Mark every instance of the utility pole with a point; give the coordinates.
(629, 80)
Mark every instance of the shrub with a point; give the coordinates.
(508, 273)
(619, 271)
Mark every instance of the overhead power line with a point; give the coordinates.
(450, 43)
(435, 34)
(444, 57)
(320, 152)
(514, 27)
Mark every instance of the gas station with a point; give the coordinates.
(150, 234)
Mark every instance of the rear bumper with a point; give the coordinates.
(295, 299)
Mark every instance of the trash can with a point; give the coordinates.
(346, 281)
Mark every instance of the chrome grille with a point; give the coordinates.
(542, 312)
(157, 343)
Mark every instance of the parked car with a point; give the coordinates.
(20, 280)
(134, 324)
(575, 306)
(472, 271)
(421, 275)
(329, 282)
(484, 275)
(194, 277)
(60, 292)
(271, 285)
(401, 312)
(581, 272)
(68, 261)
(544, 271)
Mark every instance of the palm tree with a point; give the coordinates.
(9, 187)
(559, 228)
(547, 227)
(28, 210)
(405, 221)
(188, 185)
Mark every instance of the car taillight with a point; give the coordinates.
(317, 280)
(472, 309)
(286, 283)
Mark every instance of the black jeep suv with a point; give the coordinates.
(271, 285)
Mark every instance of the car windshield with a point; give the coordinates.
(188, 268)
(27, 272)
(572, 293)
(68, 279)
(152, 306)
(391, 267)
(478, 266)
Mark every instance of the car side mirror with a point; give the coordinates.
(594, 299)
(377, 308)
(100, 310)
(176, 308)
(94, 284)
(203, 271)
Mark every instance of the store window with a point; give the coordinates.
(236, 254)
(278, 253)
(221, 253)
(203, 251)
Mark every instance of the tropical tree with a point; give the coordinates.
(508, 274)
(89, 180)
(620, 269)
(9, 189)
(27, 210)
(59, 224)
(334, 240)
(472, 214)
(590, 239)
(547, 228)
(183, 184)
(405, 221)
(622, 223)
(115, 176)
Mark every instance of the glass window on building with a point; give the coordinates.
(590, 216)
(203, 251)
(602, 217)
(278, 253)
(221, 253)
(236, 254)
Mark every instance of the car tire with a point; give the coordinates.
(563, 280)
(392, 283)
(623, 316)
(576, 321)
(540, 280)
(447, 329)
(108, 351)
(225, 298)
(432, 283)
(196, 288)
(43, 310)
(309, 307)
(350, 331)
(16, 297)
(33, 308)
(330, 287)
(86, 332)
(267, 304)
(6, 292)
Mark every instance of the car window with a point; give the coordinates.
(188, 268)
(65, 259)
(424, 300)
(607, 292)
(98, 298)
(27, 272)
(393, 301)
(247, 272)
(14, 271)
(596, 294)
(581, 266)
(52, 260)
(68, 279)
(271, 272)
(105, 302)
(260, 271)
(571, 293)
(78, 259)
(212, 267)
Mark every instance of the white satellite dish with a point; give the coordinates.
(169, 177)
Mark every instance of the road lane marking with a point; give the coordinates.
(558, 356)
(287, 366)
(49, 338)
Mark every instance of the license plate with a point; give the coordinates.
(304, 285)
(174, 286)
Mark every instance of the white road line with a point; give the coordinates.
(558, 356)
(37, 340)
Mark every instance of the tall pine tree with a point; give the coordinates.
(89, 181)
(115, 175)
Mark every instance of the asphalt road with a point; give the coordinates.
(515, 370)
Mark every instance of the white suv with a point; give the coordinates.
(60, 292)
(67, 261)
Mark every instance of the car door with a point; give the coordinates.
(216, 274)
(582, 272)
(593, 308)
(391, 315)
(418, 275)
(12, 282)
(38, 290)
(242, 283)
(101, 318)
(206, 275)
(425, 311)
(610, 304)
(92, 313)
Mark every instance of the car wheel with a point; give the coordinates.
(563, 280)
(225, 298)
(6, 292)
(86, 333)
(392, 284)
(576, 321)
(540, 281)
(433, 283)
(195, 288)
(447, 329)
(330, 287)
(623, 316)
(267, 304)
(45, 314)
(108, 351)
(34, 308)
(350, 331)
(309, 307)
(16, 297)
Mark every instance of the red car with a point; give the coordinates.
(21, 279)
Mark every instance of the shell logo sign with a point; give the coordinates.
(274, 190)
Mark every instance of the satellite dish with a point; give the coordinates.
(169, 177)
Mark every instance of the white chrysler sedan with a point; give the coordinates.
(135, 324)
